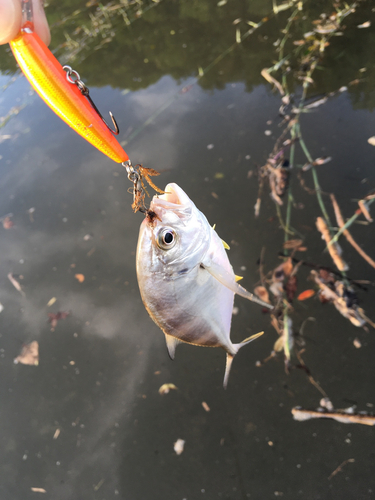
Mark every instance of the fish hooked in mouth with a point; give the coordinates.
(185, 278)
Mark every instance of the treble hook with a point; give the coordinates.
(73, 77)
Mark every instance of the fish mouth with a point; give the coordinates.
(173, 196)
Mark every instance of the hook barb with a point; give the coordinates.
(116, 130)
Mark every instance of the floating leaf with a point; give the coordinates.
(205, 406)
(262, 293)
(53, 318)
(29, 354)
(288, 245)
(291, 287)
(15, 283)
(306, 294)
(279, 344)
(51, 302)
(367, 24)
(334, 249)
(165, 388)
(357, 343)
(179, 446)
(7, 223)
(363, 207)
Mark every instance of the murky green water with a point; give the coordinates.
(102, 366)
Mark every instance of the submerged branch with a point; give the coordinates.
(348, 236)
(342, 417)
(334, 250)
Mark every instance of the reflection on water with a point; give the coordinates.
(102, 366)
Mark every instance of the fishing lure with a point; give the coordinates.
(63, 90)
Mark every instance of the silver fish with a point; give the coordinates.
(185, 278)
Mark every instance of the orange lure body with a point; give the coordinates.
(48, 78)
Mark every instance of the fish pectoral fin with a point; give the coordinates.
(172, 343)
(229, 280)
(249, 339)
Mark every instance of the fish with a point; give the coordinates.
(186, 281)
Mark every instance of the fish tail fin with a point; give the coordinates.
(230, 356)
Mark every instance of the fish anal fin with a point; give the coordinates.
(249, 339)
(172, 343)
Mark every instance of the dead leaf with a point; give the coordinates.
(179, 446)
(367, 24)
(51, 301)
(7, 223)
(275, 324)
(29, 354)
(334, 249)
(53, 318)
(270, 79)
(291, 287)
(290, 244)
(80, 277)
(279, 344)
(277, 288)
(363, 207)
(205, 406)
(15, 283)
(306, 294)
(262, 293)
(357, 343)
(165, 388)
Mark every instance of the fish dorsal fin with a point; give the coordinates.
(171, 345)
(229, 280)
(226, 246)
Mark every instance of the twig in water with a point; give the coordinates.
(348, 223)
(334, 250)
(309, 376)
(345, 418)
(16, 285)
(339, 468)
(348, 236)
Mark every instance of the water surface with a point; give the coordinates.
(101, 368)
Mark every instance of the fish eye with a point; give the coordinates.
(166, 238)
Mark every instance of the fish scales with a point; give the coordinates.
(185, 278)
